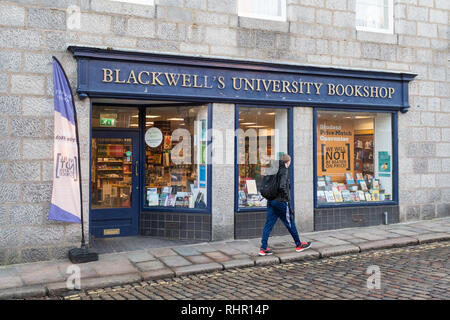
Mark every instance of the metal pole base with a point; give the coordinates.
(82, 255)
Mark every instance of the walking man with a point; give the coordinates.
(280, 208)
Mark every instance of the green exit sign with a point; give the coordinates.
(105, 122)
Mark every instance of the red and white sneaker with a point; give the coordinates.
(303, 246)
(265, 252)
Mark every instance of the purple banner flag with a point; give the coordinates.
(66, 194)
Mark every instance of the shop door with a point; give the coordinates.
(114, 184)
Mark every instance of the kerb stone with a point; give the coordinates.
(432, 237)
(110, 281)
(266, 260)
(197, 268)
(238, 263)
(298, 256)
(387, 243)
(338, 250)
(23, 292)
(157, 274)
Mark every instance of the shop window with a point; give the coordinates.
(263, 9)
(354, 157)
(176, 157)
(262, 137)
(375, 15)
(115, 117)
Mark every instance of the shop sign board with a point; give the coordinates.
(110, 73)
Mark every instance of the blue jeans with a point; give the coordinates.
(275, 210)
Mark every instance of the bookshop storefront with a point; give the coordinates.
(172, 137)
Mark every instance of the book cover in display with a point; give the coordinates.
(330, 197)
(346, 196)
(361, 195)
(179, 201)
(162, 199)
(375, 195)
(338, 196)
(321, 196)
(251, 187)
(186, 201)
(153, 199)
(363, 185)
(368, 197)
(167, 190)
(375, 184)
(170, 200)
(349, 178)
(167, 142)
(321, 184)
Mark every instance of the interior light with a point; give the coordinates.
(248, 123)
(270, 113)
(175, 119)
(256, 126)
(152, 116)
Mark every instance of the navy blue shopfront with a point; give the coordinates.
(152, 79)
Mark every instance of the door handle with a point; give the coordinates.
(136, 170)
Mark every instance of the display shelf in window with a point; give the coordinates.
(111, 174)
(364, 189)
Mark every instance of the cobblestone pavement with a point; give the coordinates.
(415, 272)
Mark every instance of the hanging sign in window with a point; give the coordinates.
(153, 137)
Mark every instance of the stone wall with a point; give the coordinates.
(318, 32)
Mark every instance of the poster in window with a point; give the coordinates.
(335, 144)
(202, 176)
(384, 164)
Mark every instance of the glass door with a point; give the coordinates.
(114, 184)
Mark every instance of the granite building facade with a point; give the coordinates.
(316, 36)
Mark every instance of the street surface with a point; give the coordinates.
(415, 272)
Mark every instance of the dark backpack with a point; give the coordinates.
(270, 185)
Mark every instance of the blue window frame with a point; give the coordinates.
(393, 161)
(289, 133)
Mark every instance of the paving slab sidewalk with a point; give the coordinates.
(53, 277)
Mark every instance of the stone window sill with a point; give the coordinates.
(376, 37)
(262, 24)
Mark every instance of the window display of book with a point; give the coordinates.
(364, 189)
